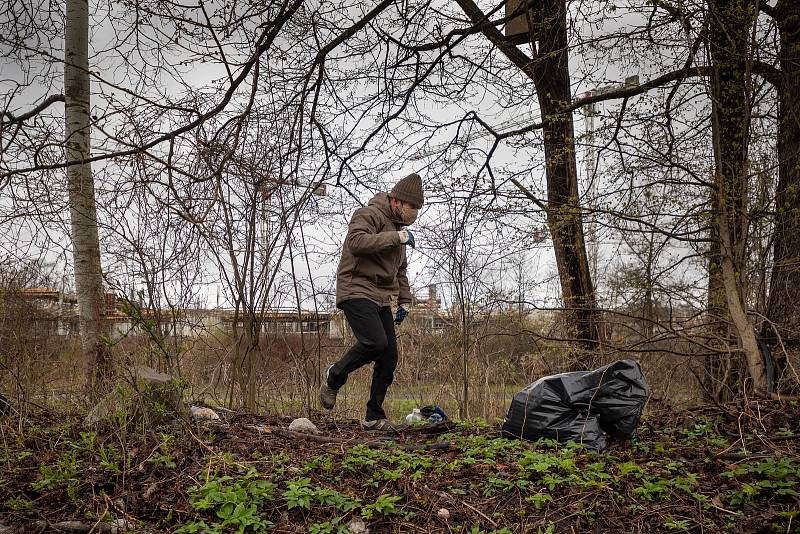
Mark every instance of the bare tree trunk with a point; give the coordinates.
(731, 22)
(85, 241)
(722, 372)
(563, 207)
(738, 314)
(784, 296)
(563, 212)
(246, 348)
(783, 310)
(549, 71)
(464, 411)
(249, 351)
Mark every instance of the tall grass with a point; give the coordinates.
(502, 356)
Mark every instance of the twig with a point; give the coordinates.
(486, 517)
(722, 509)
(372, 443)
(740, 456)
(784, 398)
(99, 519)
(375, 444)
(81, 527)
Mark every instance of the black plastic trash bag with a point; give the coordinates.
(582, 406)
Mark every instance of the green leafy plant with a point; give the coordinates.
(18, 504)
(652, 488)
(234, 502)
(329, 527)
(360, 457)
(678, 524)
(323, 463)
(456, 490)
(773, 478)
(494, 485)
(630, 468)
(554, 480)
(298, 494)
(162, 456)
(384, 505)
(111, 459)
(704, 433)
(330, 497)
(539, 499)
(87, 443)
(64, 471)
(478, 423)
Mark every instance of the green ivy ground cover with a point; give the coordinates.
(708, 471)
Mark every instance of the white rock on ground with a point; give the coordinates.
(357, 526)
(443, 513)
(303, 425)
(118, 526)
(199, 412)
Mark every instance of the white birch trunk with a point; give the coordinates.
(83, 214)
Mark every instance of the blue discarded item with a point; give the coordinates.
(432, 410)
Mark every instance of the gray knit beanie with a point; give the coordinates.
(409, 189)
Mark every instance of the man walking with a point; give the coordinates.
(371, 271)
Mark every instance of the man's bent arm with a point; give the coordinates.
(363, 238)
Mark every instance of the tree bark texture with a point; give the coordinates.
(564, 217)
(248, 350)
(247, 338)
(783, 308)
(730, 24)
(783, 305)
(83, 215)
(549, 70)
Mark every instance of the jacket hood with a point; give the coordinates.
(381, 201)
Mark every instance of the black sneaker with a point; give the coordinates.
(327, 395)
(378, 425)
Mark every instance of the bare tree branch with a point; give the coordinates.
(46, 103)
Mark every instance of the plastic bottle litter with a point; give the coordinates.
(414, 416)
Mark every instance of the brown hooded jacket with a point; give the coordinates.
(373, 264)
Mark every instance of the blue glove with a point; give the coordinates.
(400, 315)
(406, 237)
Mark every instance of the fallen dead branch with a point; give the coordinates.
(372, 443)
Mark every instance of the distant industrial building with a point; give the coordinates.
(54, 313)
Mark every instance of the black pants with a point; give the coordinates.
(373, 327)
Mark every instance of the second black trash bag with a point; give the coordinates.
(582, 406)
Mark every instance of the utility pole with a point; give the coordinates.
(590, 111)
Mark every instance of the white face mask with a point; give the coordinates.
(405, 214)
(409, 215)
